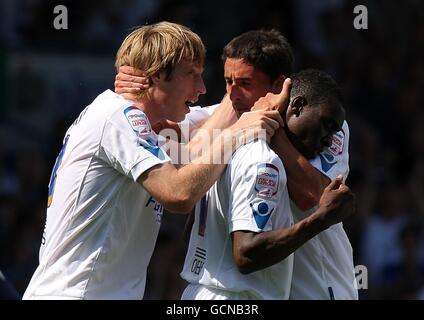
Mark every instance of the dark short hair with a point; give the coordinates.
(267, 50)
(316, 86)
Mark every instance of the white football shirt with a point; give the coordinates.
(101, 225)
(323, 267)
(195, 119)
(251, 195)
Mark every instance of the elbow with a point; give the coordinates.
(179, 203)
(245, 271)
(244, 267)
(244, 264)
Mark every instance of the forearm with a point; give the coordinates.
(179, 187)
(305, 183)
(195, 178)
(268, 248)
(221, 119)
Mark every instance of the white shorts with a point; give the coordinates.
(200, 292)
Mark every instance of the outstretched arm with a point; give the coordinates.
(178, 189)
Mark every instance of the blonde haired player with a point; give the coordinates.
(112, 179)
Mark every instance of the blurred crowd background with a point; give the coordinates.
(48, 76)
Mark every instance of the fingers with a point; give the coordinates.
(134, 80)
(259, 121)
(272, 123)
(132, 84)
(284, 96)
(344, 188)
(270, 130)
(271, 115)
(275, 114)
(335, 184)
(122, 90)
(131, 71)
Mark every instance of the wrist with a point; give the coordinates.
(318, 221)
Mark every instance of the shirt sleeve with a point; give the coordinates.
(334, 161)
(256, 188)
(129, 145)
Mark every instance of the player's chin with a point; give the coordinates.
(240, 111)
(183, 110)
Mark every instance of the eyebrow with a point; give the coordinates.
(238, 78)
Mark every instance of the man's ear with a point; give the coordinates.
(277, 85)
(154, 79)
(296, 105)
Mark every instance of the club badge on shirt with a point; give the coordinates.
(267, 179)
(262, 210)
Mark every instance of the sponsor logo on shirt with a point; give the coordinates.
(157, 209)
(262, 210)
(267, 179)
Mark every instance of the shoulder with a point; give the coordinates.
(255, 155)
(129, 118)
(256, 151)
(198, 115)
(211, 109)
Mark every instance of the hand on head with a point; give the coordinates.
(273, 101)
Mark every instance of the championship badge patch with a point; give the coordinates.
(328, 157)
(141, 126)
(267, 179)
(138, 121)
(337, 141)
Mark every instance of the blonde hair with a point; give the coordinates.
(160, 47)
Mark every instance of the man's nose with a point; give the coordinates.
(201, 88)
(233, 91)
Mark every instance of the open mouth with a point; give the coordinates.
(189, 103)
